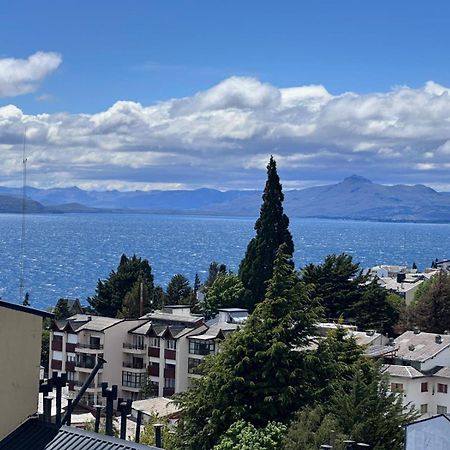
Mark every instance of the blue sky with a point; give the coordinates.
(95, 54)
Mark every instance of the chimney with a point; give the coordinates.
(59, 382)
(137, 436)
(158, 439)
(98, 415)
(401, 277)
(48, 409)
(416, 330)
(124, 407)
(438, 339)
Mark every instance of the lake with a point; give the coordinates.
(66, 254)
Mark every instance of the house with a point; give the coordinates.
(20, 351)
(159, 406)
(431, 433)
(419, 371)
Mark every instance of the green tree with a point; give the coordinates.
(336, 283)
(178, 291)
(245, 436)
(131, 308)
(110, 293)
(167, 434)
(312, 428)
(197, 283)
(26, 300)
(363, 410)
(431, 308)
(260, 374)
(149, 389)
(227, 291)
(215, 269)
(61, 310)
(271, 231)
(374, 310)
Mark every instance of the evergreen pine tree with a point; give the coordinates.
(131, 308)
(259, 375)
(197, 283)
(178, 291)
(214, 270)
(61, 310)
(271, 231)
(110, 293)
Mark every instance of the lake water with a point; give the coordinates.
(66, 254)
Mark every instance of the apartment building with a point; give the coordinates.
(77, 342)
(419, 371)
(20, 350)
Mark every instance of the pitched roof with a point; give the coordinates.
(401, 371)
(98, 323)
(163, 407)
(420, 346)
(36, 435)
(25, 309)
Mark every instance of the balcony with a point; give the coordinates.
(135, 367)
(89, 348)
(153, 351)
(135, 349)
(132, 386)
(85, 366)
(70, 366)
(91, 388)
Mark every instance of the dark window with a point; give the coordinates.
(442, 388)
(193, 364)
(134, 380)
(200, 347)
(424, 387)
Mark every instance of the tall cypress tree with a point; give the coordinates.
(271, 231)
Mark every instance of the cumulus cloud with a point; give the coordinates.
(222, 137)
(21, 76)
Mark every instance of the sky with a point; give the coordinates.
(188, 94)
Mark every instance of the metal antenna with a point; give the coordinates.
(22, 236)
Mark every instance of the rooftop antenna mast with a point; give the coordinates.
(22, 235)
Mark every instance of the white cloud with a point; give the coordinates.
(21, 76)
(223, 136)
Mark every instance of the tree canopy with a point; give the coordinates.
(259, 374)
(110, 293)
(178, 291)
(272, 230)
(227, 291)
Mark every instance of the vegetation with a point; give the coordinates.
(245, 436)
(271, 231)
(168, 436)
(227, 291)
(110, 293)
(61, 310)
(215, 269)
(259, 375)
(364, 411)
(179, 292)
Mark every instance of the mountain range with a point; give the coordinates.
(353, 198)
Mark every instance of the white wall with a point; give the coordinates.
(429, 435)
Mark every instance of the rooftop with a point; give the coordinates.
(420, 346)
(161, 406)
(401, 371)
(25, 309)
(98, 323)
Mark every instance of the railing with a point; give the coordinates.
(80, 383)
(85, 364)
(134, 346)
(134, 384)
(201, 351)
(90, 346)
(153, 351)
(169, 372)
(134, 366)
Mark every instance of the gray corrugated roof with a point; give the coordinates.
(36, 435)
(98, 323)
(424, 345)
(444, 372)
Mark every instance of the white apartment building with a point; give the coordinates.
(419, 370)
(164, 347)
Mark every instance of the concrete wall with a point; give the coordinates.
(429, 435)
(20, 350)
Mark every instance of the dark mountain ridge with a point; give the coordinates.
(353, 198)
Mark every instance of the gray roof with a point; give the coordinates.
(443, 372)
(401, 371)
(421, 346)
(163, 317)
(36, 435)
(98, 323)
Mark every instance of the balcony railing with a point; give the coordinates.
(134, 366)
(153, 370)
(153, 351)
(90, 346)
(80, 383)
(85, 364)
(133, 384)
(134, 346)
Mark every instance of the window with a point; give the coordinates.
(424, 408)
(138, 341)
(70, 376)
(133, 380)
(441, 409)
(94, 343)
(193, 364)
(169, 383)
(396, 387)
(199, 347)
(171, 344)
(442, 388)
(154, 342)
(71, 358)
(424, 387)
(57, 338)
